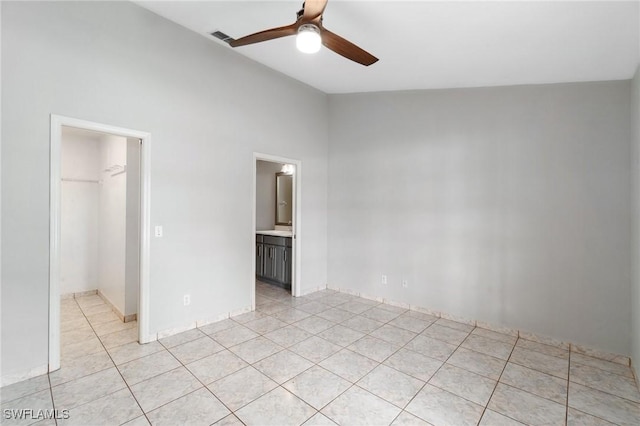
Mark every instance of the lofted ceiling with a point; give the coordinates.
(431, 45)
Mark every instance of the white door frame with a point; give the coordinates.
(57, 121)
(296, 248)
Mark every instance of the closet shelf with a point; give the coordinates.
(116, 169)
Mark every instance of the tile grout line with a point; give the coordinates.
(249, 365)
(317, 411)
(252, 365)
(566, 411)
(48, 375)
(346, 347)
(352, 384)
(53, 402)
(603, 369)
(181, 365)
(404, 345)
(497, 383)
(117, 369)
(568, 383)
(439, 315)
(434, 373)
(600, 390)
(333, 306)
(543, 372)
(590, 387)
(538, 371)
(401, 347)
(114, 365)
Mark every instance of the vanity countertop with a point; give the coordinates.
(276, 233)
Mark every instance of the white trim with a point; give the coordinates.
(176, 330)
(19, 377)
(54, 242)
(57, 121)
(144, 336)
(296, 225)
(522, 334)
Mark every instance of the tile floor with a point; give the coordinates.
(323, 359)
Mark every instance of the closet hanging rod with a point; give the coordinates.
(79, 180)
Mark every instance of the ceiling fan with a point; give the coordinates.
(310, 34)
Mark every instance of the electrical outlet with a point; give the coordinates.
(405, 283)
(384, 279)
(187, 300)
(158, 231)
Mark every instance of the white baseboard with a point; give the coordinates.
(585, 350)
(304, 292)
(202, 322)
(114, 308)
(239, 312)
(176, 330)
(78, 294)
(620, 359)
(10, 379)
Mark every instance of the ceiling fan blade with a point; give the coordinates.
(313, 9)
(265, 35)
(346, 48)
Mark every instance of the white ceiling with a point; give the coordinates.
(428, 45)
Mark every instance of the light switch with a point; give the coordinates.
(158, 231)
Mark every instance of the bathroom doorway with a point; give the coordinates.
(276, 220)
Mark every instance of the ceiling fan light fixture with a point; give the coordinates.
(308, 39)
(310, 35)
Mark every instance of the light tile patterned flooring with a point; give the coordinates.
(321, 359)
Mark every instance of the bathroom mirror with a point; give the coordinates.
(284, 197)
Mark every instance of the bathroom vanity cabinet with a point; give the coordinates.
(273, 260)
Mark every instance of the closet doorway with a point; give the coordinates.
(276, 223)
(99, 244)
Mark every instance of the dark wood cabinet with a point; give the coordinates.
(273, 260)
(259, 256)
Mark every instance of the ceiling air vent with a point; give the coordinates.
(222, 36)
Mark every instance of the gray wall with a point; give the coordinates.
(266, 194)
(79, 212)
(208, 109)
(112, 221)
(635, 160)
(508, 205)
